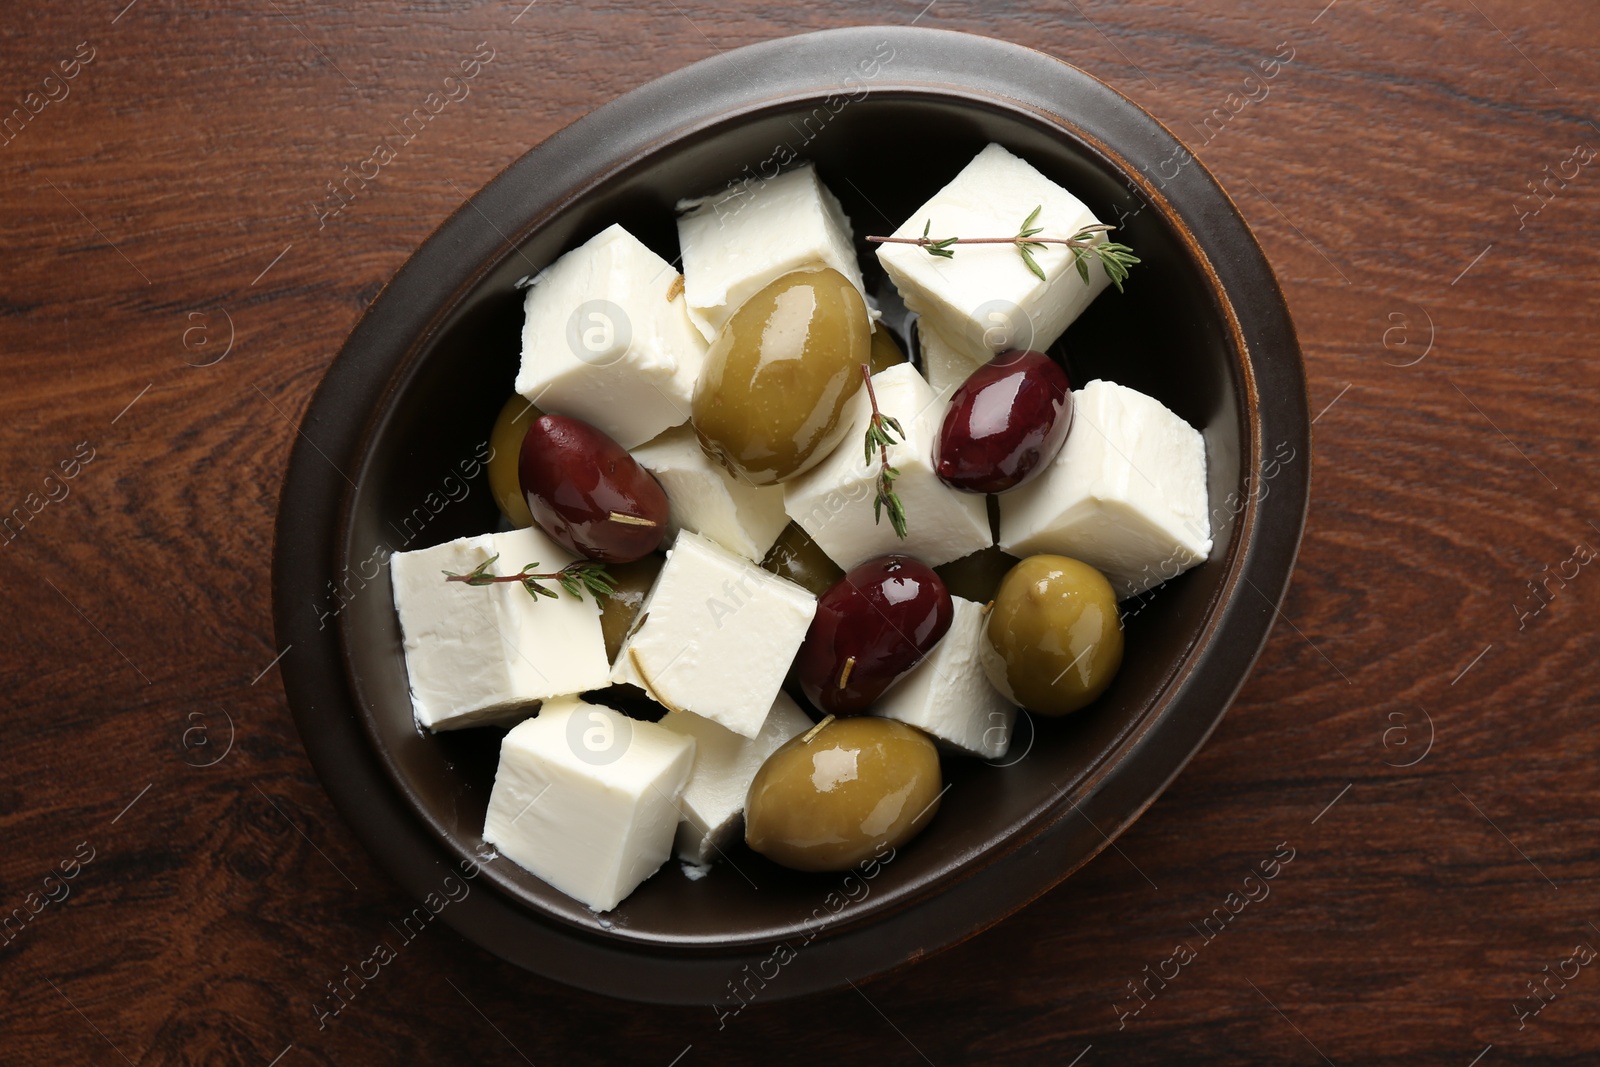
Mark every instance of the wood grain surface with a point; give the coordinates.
(1420, 730)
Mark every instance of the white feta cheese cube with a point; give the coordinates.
(833, 500)
(716, 635)
(586, 798)
(724, 766)
(948, 695)
(738, 240)
(607, 339)
(1126, 494)
(985, 300)
(477, 654)
(707, 500)
(944, 364)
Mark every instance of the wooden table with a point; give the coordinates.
(1419, 731)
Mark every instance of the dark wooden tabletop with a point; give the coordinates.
(1419, 733)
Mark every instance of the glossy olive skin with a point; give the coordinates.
(776, 380)
(586, 492)
(631, 584)
(1005, 423)
(885, 351)
(977, 576)
(795, 556)
(870, 628)
(1054, 635)
(856, 787)
(505, 450)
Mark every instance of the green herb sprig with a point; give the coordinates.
(1086, 245)
(881, 429)
(574, 578)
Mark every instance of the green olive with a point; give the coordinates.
(617, 611)
(885, 352)
(770, 398)
(1055, 638)
(977, 576)
(505, 443)
(840, 794)
(798, 558)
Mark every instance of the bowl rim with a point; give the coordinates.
(383, 351)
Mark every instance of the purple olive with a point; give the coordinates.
(871, 627)
(586, 492)
(1005, 423)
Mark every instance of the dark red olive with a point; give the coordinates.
(585, 491)
(1005, 423)
(871, 627)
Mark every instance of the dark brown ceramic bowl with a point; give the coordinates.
(889, 115)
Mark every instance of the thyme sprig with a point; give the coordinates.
(574, 578)
(1086, 245)
(881, 429)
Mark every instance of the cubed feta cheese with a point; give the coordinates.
(716, 635)
(948, 695)
(478, 654)
(833, 500)
(724, 766)
(756, 230)
(985, 300)
(707, 500)
(944, 364)
(607, 339)
(1126, 494)
(586, 798)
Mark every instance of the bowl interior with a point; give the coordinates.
(883, 156)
